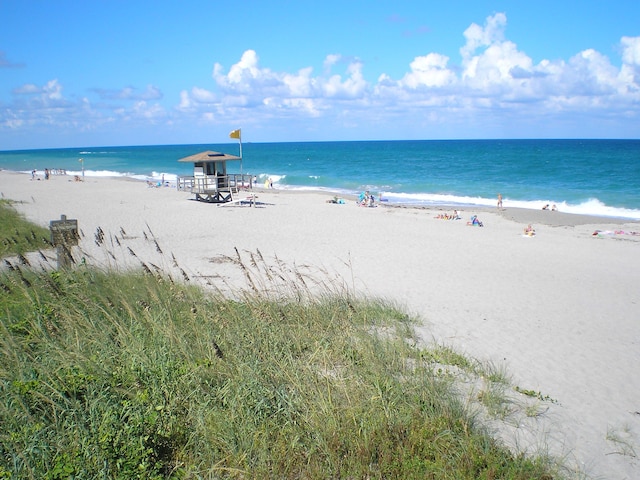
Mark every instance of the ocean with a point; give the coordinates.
(595, 177)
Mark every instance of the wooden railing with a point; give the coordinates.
(213, 183)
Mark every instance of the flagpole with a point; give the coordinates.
(240, 140)
(238, 134)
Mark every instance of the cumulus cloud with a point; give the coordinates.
(353, 86)
(250, 85)
(429, 71)
(243, 75)
(477, 36)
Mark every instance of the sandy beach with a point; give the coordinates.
(560, 311)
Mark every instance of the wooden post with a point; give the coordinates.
(64, 235)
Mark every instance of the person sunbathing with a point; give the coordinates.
(475, 222)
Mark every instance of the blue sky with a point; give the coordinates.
(137, 73)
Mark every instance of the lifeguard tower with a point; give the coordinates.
(210, 181)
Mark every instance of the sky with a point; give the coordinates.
(107, 73)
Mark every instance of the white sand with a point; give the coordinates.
(561, 310)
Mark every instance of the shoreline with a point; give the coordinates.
(562, 218)
(527, 215)
(558, 312)
(515, 214)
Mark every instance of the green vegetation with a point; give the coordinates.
(133, 375)
(534, 394)
(18, 236)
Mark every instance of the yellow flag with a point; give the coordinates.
(235, 134)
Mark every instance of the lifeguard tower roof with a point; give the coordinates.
(209, 156)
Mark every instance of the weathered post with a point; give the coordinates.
(64, 235)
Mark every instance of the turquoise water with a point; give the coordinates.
(599, 177)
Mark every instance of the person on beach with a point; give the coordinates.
(500, 201)
(475, 222)
(446, 216)
(529, 231)
(365, 199)
(546, 207)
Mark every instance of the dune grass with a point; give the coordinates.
(17, 235)
(130, 375)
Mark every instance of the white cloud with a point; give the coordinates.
(630, 71)
(592, 73)
(300, 84)
(11, 120)
(152, 112)
(493, 67)
(31, 98)
(186, 102)
(201, 95)
(477, 36)
(330, 61)
(428, 71)
(307, 105)
(27, 89)
(52, 90)
(244, 75)
(489, 60)
(251, 85)
(630, 50)
(354, 86)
